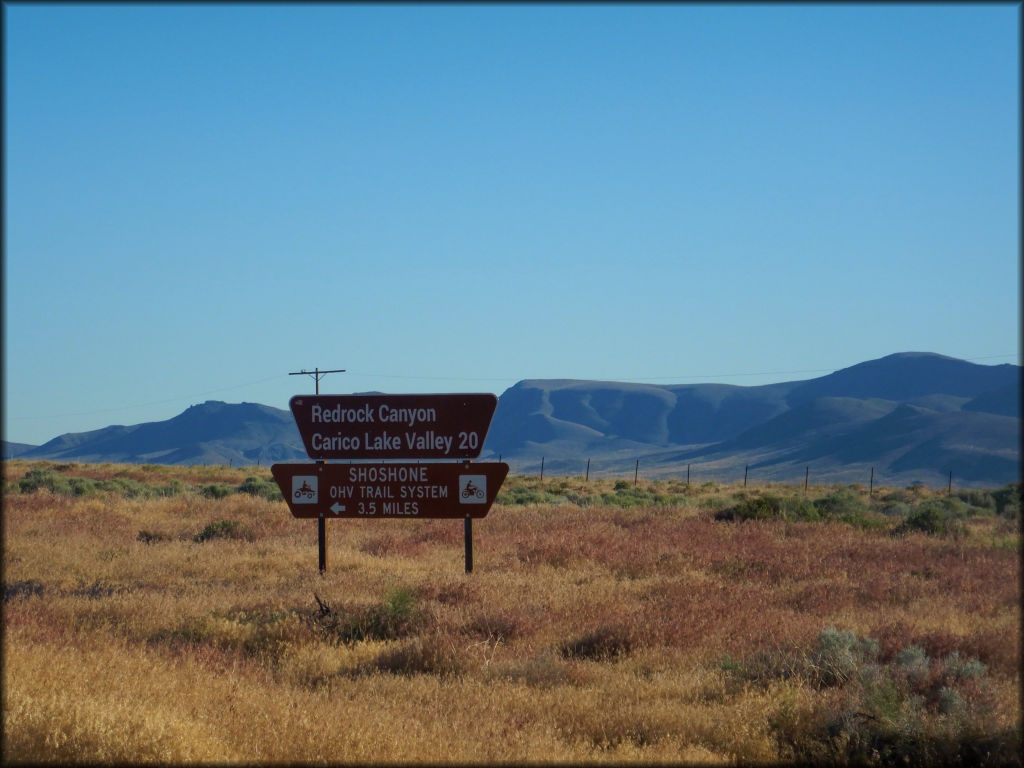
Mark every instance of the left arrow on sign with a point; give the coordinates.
(336, 508)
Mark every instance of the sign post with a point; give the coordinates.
(374, 427)
(321, 543)
(321, 527)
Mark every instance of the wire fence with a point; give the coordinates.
(723, 472)
(635, 469)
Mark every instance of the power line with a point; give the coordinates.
(317, 374)
(705, 377)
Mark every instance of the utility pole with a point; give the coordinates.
(317, 374)
(321, 530)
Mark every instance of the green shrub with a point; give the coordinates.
(913, 663)
(936, 517)
(770, 507)
(1007, 500)
(49, 479)
(980, 500)
(896, 509)
(627, 495)
(173, 488)
(521, 494)
(223, 529)
(838, 655)
(912, 710)
(124, 486)
(925, 519)
(216, 490)
(842, 504)
(959, 669)
(766, 507)
(899, 495)
(35, 479)
(797, 508)
(396, 617)
(264, 489)
(578, 499)
(80, 486)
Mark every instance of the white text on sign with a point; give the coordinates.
(388, 442)
(397, 493)
(385, 414)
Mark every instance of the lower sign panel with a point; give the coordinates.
(428, 490)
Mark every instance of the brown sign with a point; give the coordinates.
(400, 490)
(445, 426)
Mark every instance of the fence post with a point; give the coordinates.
(949, 490)
(687, 475)
(587, 478)
(871, 485)
(745, 468)
(807, 474)
(542, 469)
(636, 472)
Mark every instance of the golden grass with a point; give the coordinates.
(586, 634)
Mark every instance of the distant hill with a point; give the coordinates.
(12, 450)
(211, 433)
(909, 416)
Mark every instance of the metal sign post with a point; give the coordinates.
(321, 528)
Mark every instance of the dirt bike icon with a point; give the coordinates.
(471, 491)
(305, 490)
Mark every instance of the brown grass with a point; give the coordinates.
(588, 633)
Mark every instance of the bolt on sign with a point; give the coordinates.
(434, 426)
(393, 490)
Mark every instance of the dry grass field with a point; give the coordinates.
(174, 614)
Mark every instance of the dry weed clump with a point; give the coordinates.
(601, 624)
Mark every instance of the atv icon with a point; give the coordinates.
(304, 489)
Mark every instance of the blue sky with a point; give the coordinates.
(201, 199)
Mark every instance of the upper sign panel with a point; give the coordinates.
(440, 426)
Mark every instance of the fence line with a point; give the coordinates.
(728, 474)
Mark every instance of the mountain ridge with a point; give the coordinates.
(909, 415)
